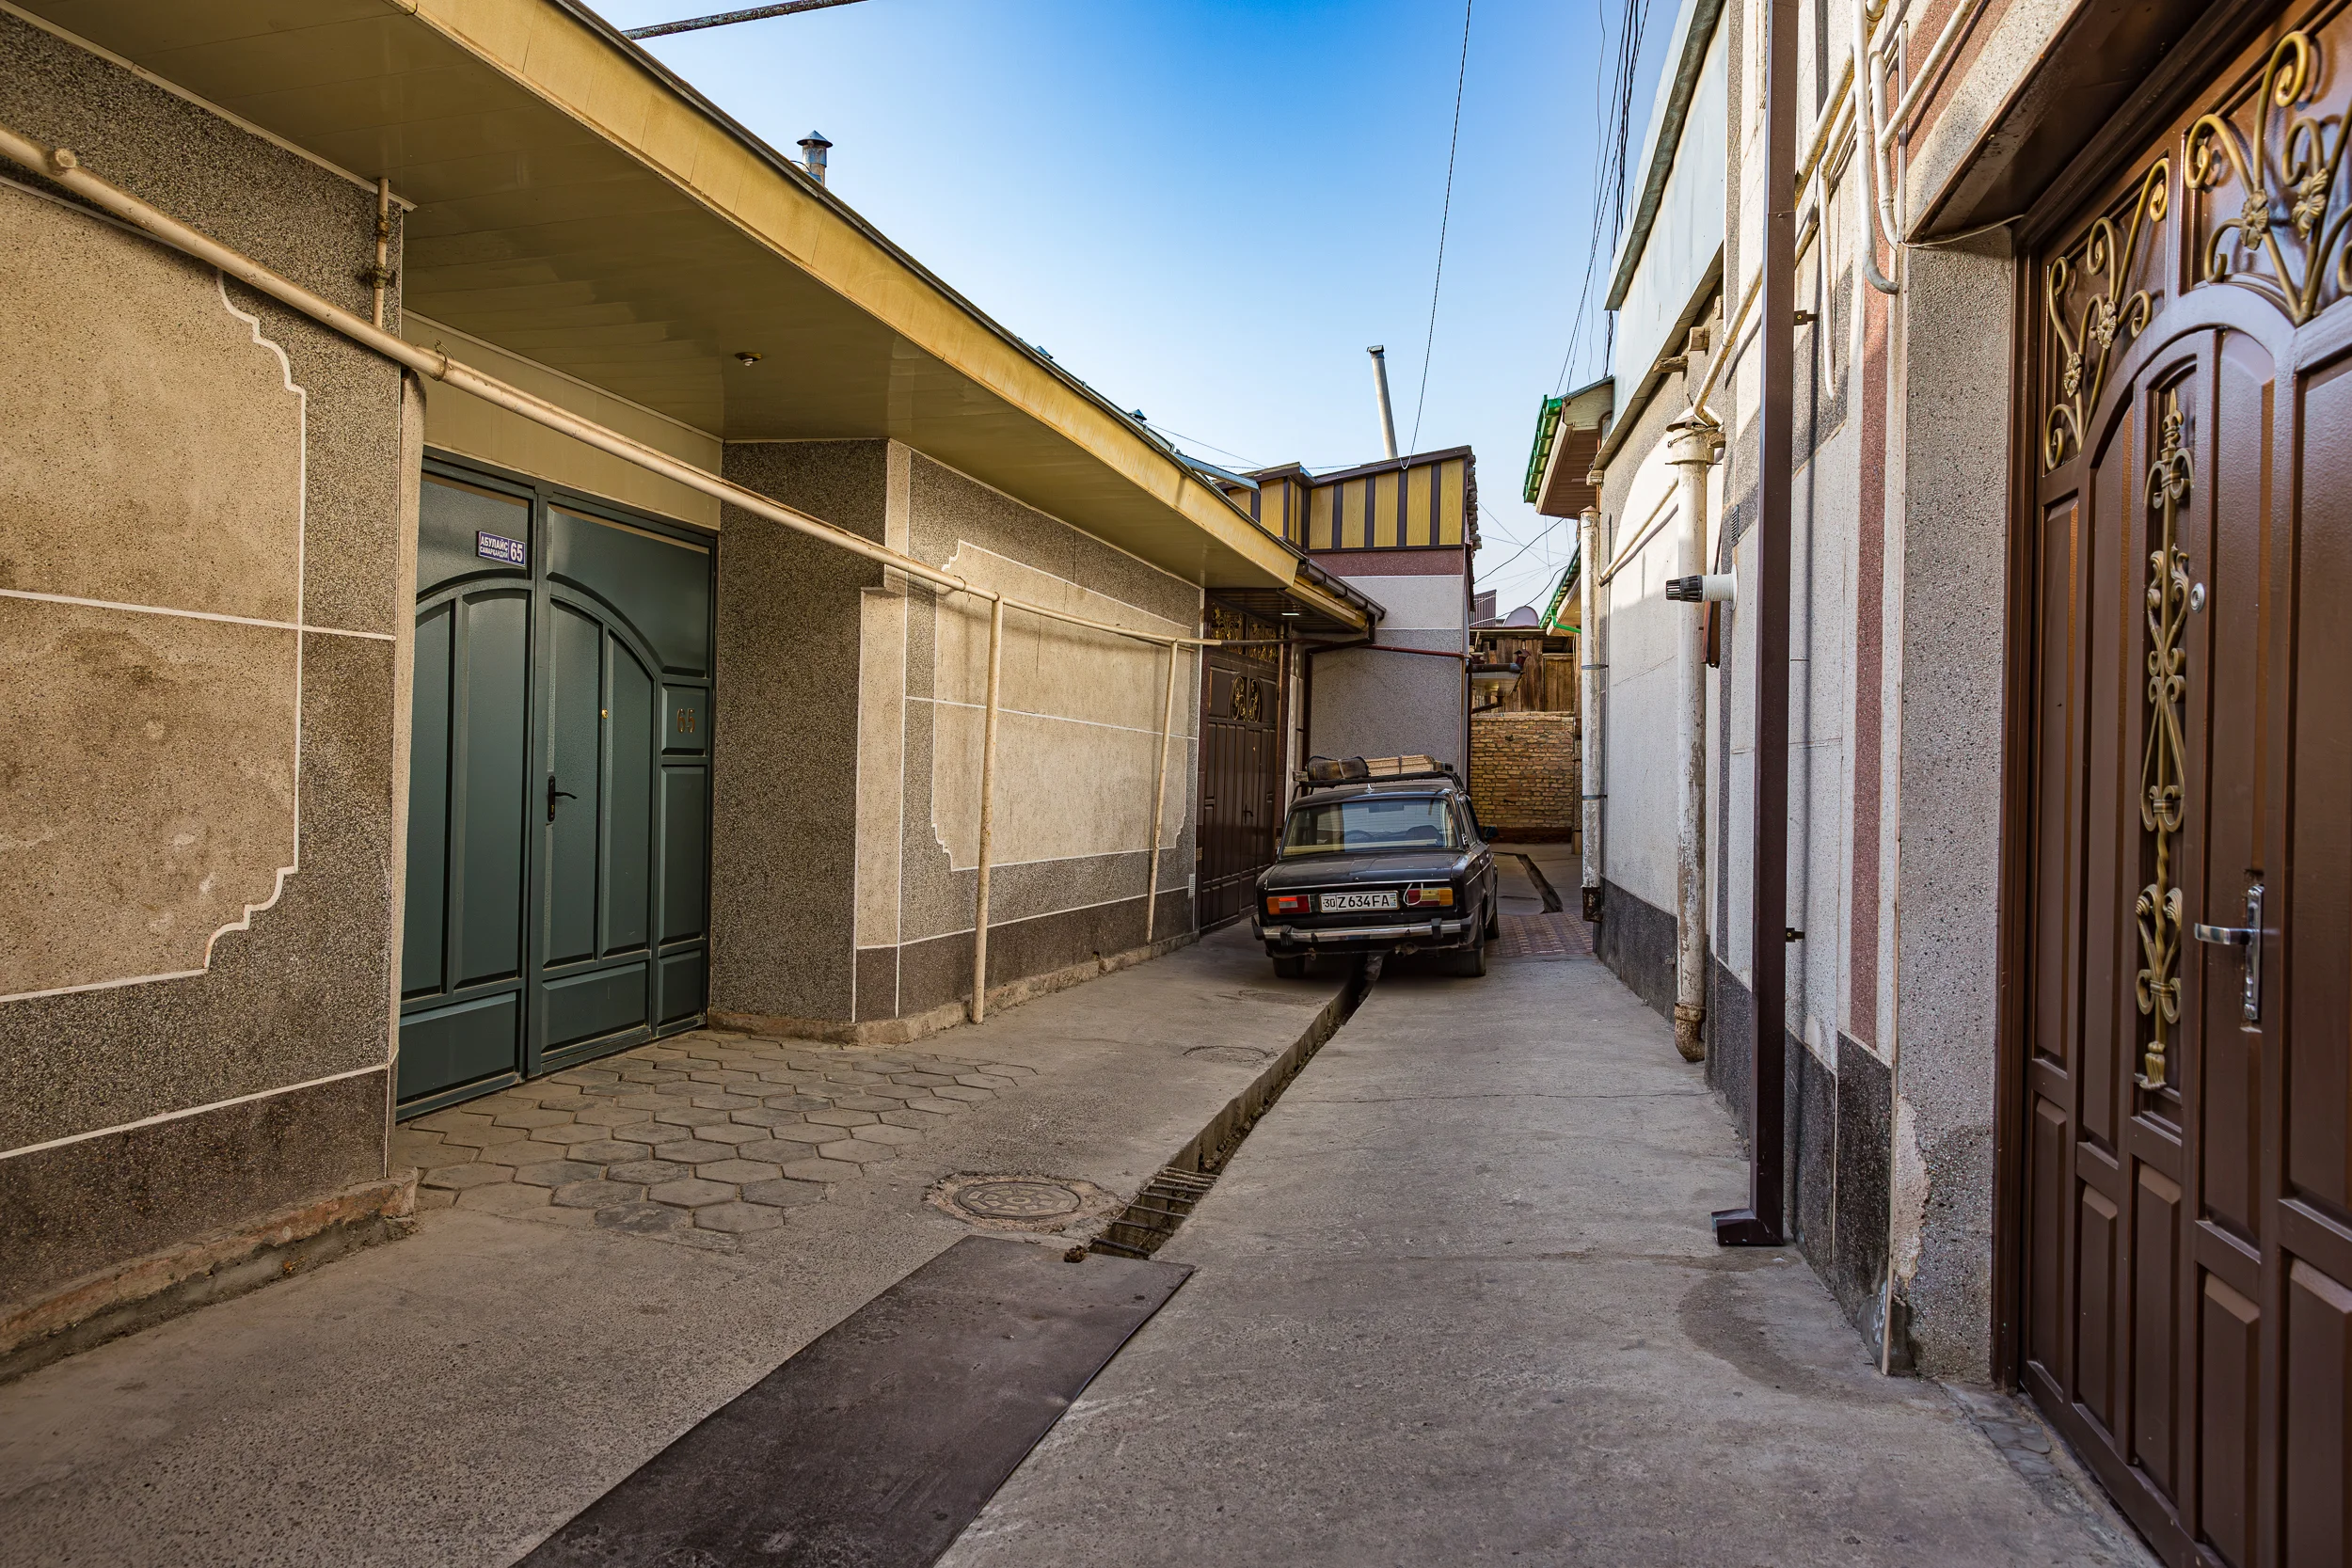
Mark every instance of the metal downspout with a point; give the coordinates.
(1761, 1223)
(1588, 718)
(1159, 804)
(988, 807)
(1692, 449)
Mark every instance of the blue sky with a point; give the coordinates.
(1208, 209)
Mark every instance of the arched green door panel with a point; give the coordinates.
(558, 844)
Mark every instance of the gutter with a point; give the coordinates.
(1621, 430)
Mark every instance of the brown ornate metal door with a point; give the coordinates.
(1241, 762)
(2188, 1279)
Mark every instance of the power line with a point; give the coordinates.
(1209, 446)
(1461, 75)
(1541, 535)
(1609, 173)
(725, 19)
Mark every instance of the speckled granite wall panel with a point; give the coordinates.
(878, 982)
(305, 991)
(285, 212)
(81, 1207)
(784, 827)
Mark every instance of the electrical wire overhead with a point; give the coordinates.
(1445, 216)
(1615, 129)
(727, 19)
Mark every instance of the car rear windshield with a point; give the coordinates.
(1371, 823)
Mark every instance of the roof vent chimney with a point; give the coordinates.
(1380, 389)
(813, 155)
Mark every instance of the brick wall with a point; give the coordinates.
(1523, 773)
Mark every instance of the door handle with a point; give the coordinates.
(554, 795)
(2248, 936)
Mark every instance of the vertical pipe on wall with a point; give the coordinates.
(1588, 706)
(1159, 803)
(1692, 449)
(1759, 1223)
(988, 804)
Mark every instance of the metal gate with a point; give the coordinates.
(558, 786)
(2186, 1312)
(1241, 761)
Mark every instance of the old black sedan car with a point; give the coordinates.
(1379, 858)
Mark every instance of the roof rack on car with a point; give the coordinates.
(1323, 772)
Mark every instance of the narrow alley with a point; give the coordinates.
(671, 899)
(1453, 1299)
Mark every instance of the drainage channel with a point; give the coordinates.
(1543, 883)
(1167, 1200)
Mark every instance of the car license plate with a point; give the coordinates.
(1335, 903)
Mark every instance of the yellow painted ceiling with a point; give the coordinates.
(575, 205)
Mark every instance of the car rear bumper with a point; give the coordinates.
(1427, 933)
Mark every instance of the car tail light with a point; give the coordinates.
(1288, 903)
(1423, 896)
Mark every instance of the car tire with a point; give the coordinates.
(1470, 963)
(1291, 966)
(1494, 921)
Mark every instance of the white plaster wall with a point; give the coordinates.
(1418, 604)
(1642, 761)
(1821, 708)
(1687, 229)
(1370, 704)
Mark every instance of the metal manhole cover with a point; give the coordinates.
(1020, 1201)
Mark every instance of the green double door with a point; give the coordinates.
(559, 787)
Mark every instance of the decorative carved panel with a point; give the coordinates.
(2260, 169)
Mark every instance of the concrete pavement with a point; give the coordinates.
(451, 1398)
(1456, 1302)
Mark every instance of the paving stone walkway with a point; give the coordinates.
(703, 1139)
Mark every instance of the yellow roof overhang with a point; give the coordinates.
(576, 204)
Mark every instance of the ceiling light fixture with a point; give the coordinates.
(745, 357)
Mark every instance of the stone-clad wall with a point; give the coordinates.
(848, 743)
(207, 526)
(1523, 773)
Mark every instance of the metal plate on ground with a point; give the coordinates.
(875, 1446)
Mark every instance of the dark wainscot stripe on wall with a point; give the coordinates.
(82, 1206)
